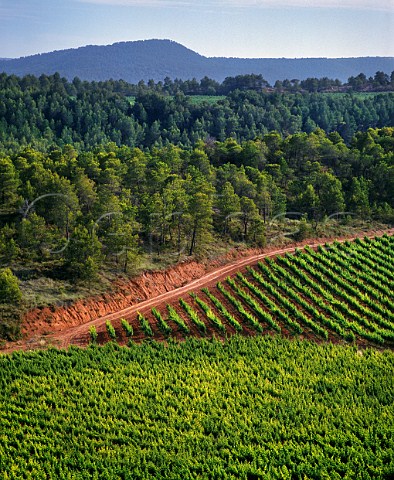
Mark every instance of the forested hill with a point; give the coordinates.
(158, 59)
(50, 110)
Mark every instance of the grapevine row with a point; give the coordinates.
(241, 310)
(291, 293)
(193, 315)
(341, 321)
(255, 306)
(331, 284)
(209, 313)
(328, 259)
(270, 304)
(222, 309)
(344, 285)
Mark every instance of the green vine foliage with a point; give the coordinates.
(249, 408)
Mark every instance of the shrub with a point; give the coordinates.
(145, 327)
(110, 329)
(93, 334)
(9, 287)
(126, 327)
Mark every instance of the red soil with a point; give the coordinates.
(66, 325)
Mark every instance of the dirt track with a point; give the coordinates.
(63, 337)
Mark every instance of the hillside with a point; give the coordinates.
(158, 59)
(224, 392)
(70, 324)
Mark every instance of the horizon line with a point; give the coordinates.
(178, 43)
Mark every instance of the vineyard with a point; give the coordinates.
(342, 292)
(250, 408)
(257, 406)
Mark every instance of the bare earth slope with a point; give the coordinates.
(67, 325)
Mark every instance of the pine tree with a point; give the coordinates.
(229, 208)
(9, 183)
(83, 254)
(10, 291)
(359, 197)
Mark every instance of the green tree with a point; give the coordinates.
(254, 153)
(86, 191)
(9, 249)
(179, 218)
(10, 291)
(308, 202)
(35, 237)
(119, 238)
(157, 211)
(329, 190)
(9, 183)
(359, 197)
(200, 211)
(83, 256)
(130, 246)
(304, 230)
(249, 215)
(229, 208)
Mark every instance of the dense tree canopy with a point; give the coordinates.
(96, 175)
(50, 110)
(109, 203)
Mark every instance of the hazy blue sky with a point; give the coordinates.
(249, 28)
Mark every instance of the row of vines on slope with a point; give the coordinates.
(341, 292)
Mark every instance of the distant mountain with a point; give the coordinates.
(157, 59)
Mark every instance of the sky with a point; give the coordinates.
(214, 28)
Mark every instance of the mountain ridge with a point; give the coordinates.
(157, 59)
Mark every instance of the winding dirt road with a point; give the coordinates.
(66, 337)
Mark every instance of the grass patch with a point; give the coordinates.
(211, 99)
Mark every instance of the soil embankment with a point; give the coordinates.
(63, 324)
